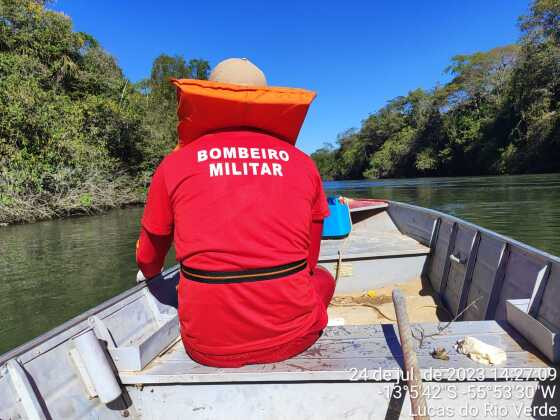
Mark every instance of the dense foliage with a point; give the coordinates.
(498, 115)
(75, 134)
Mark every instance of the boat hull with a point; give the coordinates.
(48, 378)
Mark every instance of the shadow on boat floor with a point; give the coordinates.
(376, 305)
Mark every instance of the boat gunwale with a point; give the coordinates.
(74, 322)
(523, 246)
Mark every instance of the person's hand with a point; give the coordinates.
(344, 200)
(140, 277)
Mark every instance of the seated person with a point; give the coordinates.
(245, 209)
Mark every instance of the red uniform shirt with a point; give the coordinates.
(240, 200)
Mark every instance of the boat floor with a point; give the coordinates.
(376, 306)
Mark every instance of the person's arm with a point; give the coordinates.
(319, 211)
(151, 251)
(315, 244)
(156, 234)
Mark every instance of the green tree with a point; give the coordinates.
(160, 102)
(500, 113)
(325, 160)
(535, 95)
(75, 135)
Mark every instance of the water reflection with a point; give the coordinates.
(52, 271)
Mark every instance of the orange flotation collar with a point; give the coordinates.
(205, 107)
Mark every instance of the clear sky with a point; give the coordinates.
(356, 54)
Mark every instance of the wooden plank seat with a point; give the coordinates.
(345, 352)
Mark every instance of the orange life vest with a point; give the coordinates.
(205, 106)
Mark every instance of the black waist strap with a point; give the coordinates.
(256, 274)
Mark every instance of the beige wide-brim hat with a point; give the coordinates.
(238, 71)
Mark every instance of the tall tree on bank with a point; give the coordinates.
(67, 114)
(499, 114)
(535, 94)
(75, 135)
(161, 101)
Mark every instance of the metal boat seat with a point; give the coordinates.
(387, 242)
(367, 256)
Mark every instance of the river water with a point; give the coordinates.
(52, 271)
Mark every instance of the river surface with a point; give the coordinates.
(52, 271)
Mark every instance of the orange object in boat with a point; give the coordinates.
(205, 107)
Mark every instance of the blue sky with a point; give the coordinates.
(356, 55)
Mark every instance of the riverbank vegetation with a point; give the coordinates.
(75, 135)
(499, 114)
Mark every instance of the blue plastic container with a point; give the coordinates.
(338, 224)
